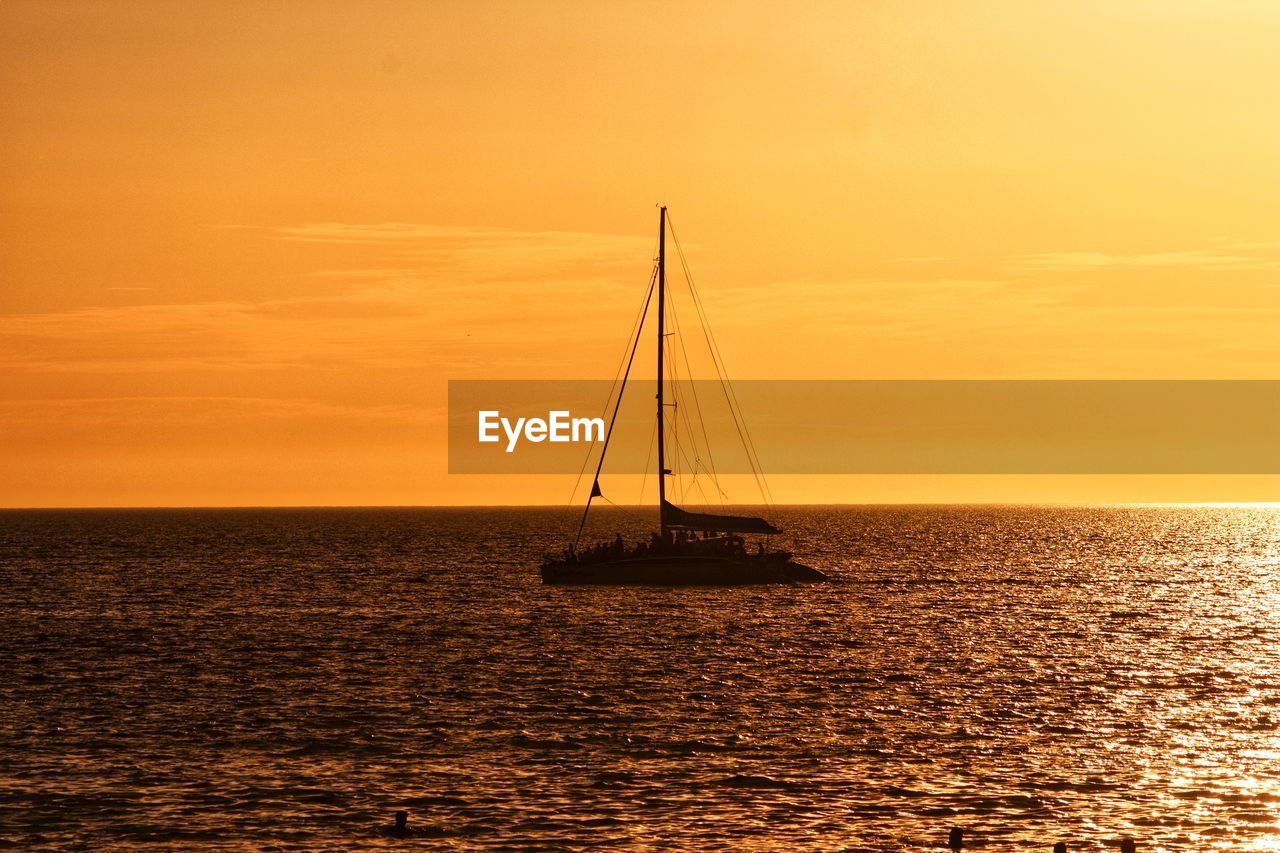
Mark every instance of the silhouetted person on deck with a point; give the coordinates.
(956, 839)
(1128, 845)
(1060, 847)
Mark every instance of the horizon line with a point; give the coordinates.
(1046, 504)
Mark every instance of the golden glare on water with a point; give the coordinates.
(1029, 674)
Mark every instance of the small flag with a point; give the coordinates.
(595, 489)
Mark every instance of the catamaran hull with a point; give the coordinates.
(681, 571)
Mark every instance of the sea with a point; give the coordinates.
(256, 679)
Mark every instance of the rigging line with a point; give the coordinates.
(717, 359)
(672, 424)
(698, 466)
(635, 331)
(648, 457)
(735, 407)
(636, 325)
(694, 466)
(616, 407)
(695, 483)
(740, 421)
(686, 480)
(682, 412)
(697, 406)
(731, 396)
(630, 513)
(679, 408)
(701, 492)
(673, 384)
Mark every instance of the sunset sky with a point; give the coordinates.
(246, 245)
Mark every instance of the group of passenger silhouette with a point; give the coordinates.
(679, 543)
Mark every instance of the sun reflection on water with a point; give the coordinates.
(1030, 674)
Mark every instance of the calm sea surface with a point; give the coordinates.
(290, 678)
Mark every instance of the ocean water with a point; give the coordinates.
(249, 679)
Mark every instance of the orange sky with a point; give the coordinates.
(244, 250)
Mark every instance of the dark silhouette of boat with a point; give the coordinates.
(690, 548)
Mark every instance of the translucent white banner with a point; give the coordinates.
(854, 426)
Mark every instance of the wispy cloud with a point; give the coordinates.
(476, 254)
(1204, 259)
(527, 252)
(923, 259)
(415, 324)
(175, 410)
(905, 309)
(423, 295)
(457, 301)
(385, 232)
(1019, 326)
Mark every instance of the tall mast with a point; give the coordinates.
(662, 316)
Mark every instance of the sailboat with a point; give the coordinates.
(689, 548)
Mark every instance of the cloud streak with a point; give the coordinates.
(196, 410)
(471, 301)
(421, 296)
(1200, 259)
